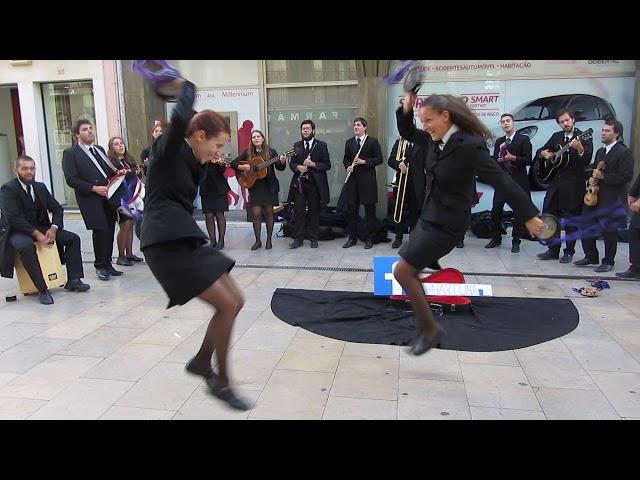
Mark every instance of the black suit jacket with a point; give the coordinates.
(416, 156)
(319, 155)
(520, 147)
(173, 178)
(363, 178)
(634, 191)
(569, 183)
(451, 176)
(13, 200)
(82, 175)
(214, 182)
(618, 172)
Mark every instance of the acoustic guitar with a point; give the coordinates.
(258, 170)
(591, 196)
(559, 160)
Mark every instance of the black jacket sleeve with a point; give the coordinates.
(167, 145)
(15, 218)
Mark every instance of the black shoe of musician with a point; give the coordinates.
(134, 258)
(422, 344)
(549, 255)
(103, 274)
(113, 272)
(515, 247)
(493, 243)
(76, 285)
(397, 242)
(124, 262)
(566, 258)
(314, 243)
(349, 243)
(628, 274)
(295, 244)
(45, 298)
(369, 244)
(586, 261)
(605, 267)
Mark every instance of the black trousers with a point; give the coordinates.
(609, 234)
(103, 239)
(554, 208)
(499, 202)
(310, 197)
(634, 249)
(352, 220)
(26, 248)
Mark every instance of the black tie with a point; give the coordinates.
(100, 161)
(567, 139)
(358, 140)
(306, 149)
(29, 192)
(438, 150)
(508, 141)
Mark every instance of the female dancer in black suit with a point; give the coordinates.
(456, 152)
(263, 196)
(173, 243)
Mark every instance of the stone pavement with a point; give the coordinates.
(115, 352)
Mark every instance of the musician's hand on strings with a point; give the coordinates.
(100, 190)
(535, 226)
(593, 181)
(546, 154)
(510, 157)
(409, 101)
(245, 167)
(403, 168)
(283, 159)
(577, 146)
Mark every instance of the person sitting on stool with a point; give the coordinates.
(25, 218)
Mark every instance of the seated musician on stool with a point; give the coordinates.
(25, 218)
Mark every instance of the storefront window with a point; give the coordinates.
(332, 109)
(294, 71)
(64, 105)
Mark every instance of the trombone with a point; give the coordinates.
(400, 180)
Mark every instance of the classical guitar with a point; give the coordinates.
(591, 196)
(559, 160)
(258, 170)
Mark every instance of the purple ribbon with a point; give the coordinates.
(399, 74)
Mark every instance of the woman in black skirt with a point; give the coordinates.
(173, 243)
(263, 196)
(456, 152)
(213, 191)
(122, 160)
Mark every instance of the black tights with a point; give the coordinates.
(210, 219)
(256, 212)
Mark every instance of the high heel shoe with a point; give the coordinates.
(256, 245)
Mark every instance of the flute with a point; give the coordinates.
(354, 160)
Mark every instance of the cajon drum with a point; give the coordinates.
(52, 271)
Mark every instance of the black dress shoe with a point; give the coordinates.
(515, 247)
(76, 285)
(605, 267)
(124, 262)
(628, 274)
(566, 258)
(295, 244)
(113, 272)
(349, 243)
(206, 373)
(493, 243)
(422, 344)
(256, 245)
(314, 243)
(369, 244)
(460, 244)
(45, 298)
(549, 255)
(397, 242)
(586, 261)
(226, 394)
(134, 258)
(103, 274)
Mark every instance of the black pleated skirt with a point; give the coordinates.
(185, 268)
(215, 203)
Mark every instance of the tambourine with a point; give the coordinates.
(160, 74)
(412, 80)
(550, 228)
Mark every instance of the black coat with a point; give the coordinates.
(213, 182)
(271, 179)
(634, 191)
(520, 147)
(319, 155)
(172, 180)
(451, 177)
(363, 179)
(618, 172)
(82, 175)
(569, 183)
(13, 200)
(416, 157)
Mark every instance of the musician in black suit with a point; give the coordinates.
(362, 187)
(566, 190)
(455, 140)
(413, 166)
(513, 153)
(87, 170)
(611, 176)
(309, 186)
(633, 200)
(26, 205)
